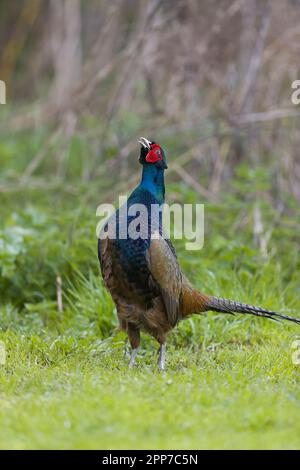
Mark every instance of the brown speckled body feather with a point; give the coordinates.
(173, 297)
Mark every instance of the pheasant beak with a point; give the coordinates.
(145, 143)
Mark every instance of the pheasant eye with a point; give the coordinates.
(158, 152)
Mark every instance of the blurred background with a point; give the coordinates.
(209, 80)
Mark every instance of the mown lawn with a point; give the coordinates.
(230, 381)
(60, 393)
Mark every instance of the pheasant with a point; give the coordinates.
(142, 273)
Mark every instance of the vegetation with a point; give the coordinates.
(230, 380)
(69, 143)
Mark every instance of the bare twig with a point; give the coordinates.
(264, 116)
(246, 92)
(60, 307)
(260, 238)
(188, 179)
(37, 160)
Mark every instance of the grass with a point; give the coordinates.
(230, 381)
(61, 393)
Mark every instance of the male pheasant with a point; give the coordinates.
(141, 270)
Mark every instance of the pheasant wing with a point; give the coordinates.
(165, 270)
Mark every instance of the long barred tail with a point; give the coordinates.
(217, 304)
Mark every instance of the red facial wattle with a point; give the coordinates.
(155, 154)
